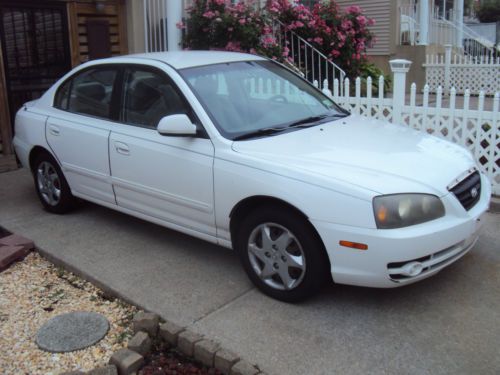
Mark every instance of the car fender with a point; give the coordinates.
(29, 133)
(235, 182)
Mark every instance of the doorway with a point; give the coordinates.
(35, 48)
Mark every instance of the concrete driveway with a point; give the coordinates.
(448, 324)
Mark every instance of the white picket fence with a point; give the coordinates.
(478, 73)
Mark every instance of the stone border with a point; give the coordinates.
(148, 328)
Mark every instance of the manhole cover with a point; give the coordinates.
(72, 331)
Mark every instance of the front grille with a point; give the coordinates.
(468, 191)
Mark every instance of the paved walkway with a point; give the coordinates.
(448, 324)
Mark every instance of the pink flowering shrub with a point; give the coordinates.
(341, 36)
(220, 25)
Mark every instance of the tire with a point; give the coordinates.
(51, 185)
(282, 254)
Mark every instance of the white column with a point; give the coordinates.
(424, 22)
(459, 14)
(399, 68)
(174, 15)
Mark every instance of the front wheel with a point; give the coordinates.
(51, 185)
(282, 254)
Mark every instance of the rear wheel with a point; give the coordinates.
(51, 185)
(282, 254)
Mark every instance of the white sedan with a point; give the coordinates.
(239, 151)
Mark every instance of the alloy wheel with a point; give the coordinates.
(48, 183)
(276, 256)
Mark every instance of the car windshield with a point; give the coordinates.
(258, 98)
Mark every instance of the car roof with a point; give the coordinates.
(189, 59)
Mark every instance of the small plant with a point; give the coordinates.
(122, 337)
(60, 272)
(368, 69)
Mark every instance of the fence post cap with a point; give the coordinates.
(400, 65)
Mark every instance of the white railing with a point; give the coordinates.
(472, 43)
(444, 27)
(155, 25)
(475, 128)
(313, 64)
(476, 73)
(442, 32)
(487, 31)
(408, 25)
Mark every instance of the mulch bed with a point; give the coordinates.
(167, 361)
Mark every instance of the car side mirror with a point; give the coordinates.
(177, 125)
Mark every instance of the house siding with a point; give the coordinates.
(380, 11)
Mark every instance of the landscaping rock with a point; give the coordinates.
(75, 372)
(140, 343)
(204, 351)
(72, 331)
(169, 332)
(147, 322)
(186, 341)
(126, 361)
(17, 240)
(243, 368)
(9, 254)
(107, 370)
(224, 360)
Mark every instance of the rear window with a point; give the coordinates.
(88, 93)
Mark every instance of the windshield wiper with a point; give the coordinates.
(259, 132)
(314, 119)
(305, 122)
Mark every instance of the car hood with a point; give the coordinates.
(367, 153)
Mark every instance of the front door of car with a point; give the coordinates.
(78, 131)
(169, 178)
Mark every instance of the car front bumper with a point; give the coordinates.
(435, 245)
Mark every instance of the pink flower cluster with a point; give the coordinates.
(343, 36)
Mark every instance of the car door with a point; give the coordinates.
(169, 178)
(78, 131)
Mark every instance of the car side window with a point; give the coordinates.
(149, 96)
(88, 93)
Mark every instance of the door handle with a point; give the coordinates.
(122, 148)
(54, 130)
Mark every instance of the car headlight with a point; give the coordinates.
(402, 210)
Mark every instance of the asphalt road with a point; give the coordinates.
(448, 324)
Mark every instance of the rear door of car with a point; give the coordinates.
(79, 128)
(169, 178)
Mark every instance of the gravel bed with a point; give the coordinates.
(32, 292)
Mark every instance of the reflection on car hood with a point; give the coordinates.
(370, 154)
